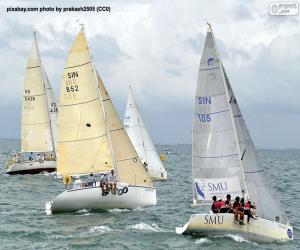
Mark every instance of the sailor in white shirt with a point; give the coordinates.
(112, 181)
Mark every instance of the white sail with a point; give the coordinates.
(52, 107)
(35, 129)
(216, 162)
(257, 184)
(140, 138)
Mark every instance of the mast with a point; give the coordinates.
(229, 101)
(102, 107)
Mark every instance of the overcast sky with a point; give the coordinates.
(156, 46)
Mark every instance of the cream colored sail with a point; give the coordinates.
(128, 166)
(83, 145)
(35, 128)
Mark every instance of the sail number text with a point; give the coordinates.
(204, 117)
(204, 100)
(71, 85)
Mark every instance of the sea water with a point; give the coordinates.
(25, 225)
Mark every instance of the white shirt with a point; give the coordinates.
(112, 178)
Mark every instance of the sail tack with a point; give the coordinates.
(83, 145)
(140, 138)
(128, 166)
(35, 129)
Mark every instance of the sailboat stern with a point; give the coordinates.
(258, 230)
(126, 197)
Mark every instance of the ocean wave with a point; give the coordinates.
(100, 229)
(145, 227)
(118, 210)
(83, 212)
(237, 238)
(203, 241)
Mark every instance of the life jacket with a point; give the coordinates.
(221, 204)
(247, 206)
(215, 205)
(237, 205)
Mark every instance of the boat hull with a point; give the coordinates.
(259, 230)
(31, 167)
(91, 198)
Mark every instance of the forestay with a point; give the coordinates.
(83, 145)
(258, 186)
(139, 136)
(216, 162)
(128, 166)
(35, 128)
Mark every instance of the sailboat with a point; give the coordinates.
(225, 161)
(38, 128)
(92, 140)
(140, 138)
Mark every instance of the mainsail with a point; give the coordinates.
(36, 128)
(82, 140)
(140, 138)
(224, 157)
(128, 166)
(216, 163)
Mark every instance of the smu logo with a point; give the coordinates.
(220, 186)
(210, 61)
(200, 190)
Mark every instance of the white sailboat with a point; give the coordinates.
(38, 127)
(140, 138)
(91, 139)
(225, 161)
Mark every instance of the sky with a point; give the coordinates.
(155, 46)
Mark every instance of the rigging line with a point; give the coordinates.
(252, 172)
(243, 154)
(35, 95)
(65, 105)
(213, 113)
(83, 139)
(212, 157)
(33, 67)
(78, 65)
(209, 69)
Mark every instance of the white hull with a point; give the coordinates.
(31, 167)
(259, 230)
(91, 198)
